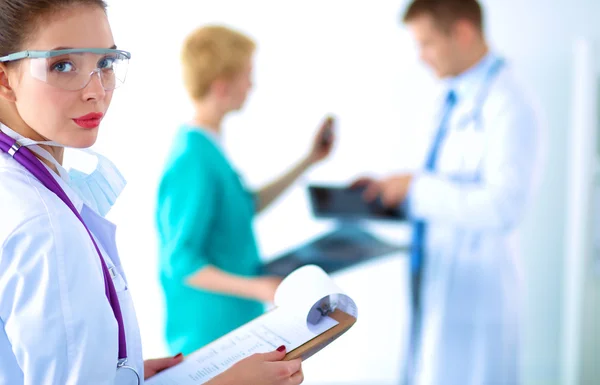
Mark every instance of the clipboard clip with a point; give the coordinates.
(324, 308)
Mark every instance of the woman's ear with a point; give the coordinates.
(6, 90)
(219, 87)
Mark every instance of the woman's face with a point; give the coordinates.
(239, 86)
(54, 113)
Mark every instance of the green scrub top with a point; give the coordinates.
(204, 217)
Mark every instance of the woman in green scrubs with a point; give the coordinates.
(209, 263)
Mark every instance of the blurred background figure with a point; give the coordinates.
(466, 204)
(209, 260)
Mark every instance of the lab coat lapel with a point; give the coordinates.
(105, 232)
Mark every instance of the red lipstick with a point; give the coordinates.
(91, 120)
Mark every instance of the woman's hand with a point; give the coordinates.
(262, 369)
(152, 367)
(323, 141)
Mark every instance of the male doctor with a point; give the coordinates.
(466, 204)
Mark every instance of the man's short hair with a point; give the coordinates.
(446, 12)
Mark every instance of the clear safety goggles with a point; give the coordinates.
(72, 69)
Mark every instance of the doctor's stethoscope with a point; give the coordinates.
(473, 117)
(125, 374)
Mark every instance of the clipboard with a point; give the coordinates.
(292, 324)
(346, 321)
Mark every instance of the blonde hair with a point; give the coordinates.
(210, 53)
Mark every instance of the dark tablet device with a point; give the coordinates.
(347, 203)
(342, 248)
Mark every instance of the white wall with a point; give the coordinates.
(542, 48)
(581, 342)
(353, 59)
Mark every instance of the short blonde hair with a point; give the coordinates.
(210, 53)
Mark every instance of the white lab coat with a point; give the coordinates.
(56, 324)
(473, 204)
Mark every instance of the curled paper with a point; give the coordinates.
(310, 294)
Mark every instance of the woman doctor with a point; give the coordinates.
(66, 315)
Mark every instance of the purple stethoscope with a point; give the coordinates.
(28, 160)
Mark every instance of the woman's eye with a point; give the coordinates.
(106, 63)
(63, 67)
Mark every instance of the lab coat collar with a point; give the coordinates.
(467, 83)
(73, 196)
